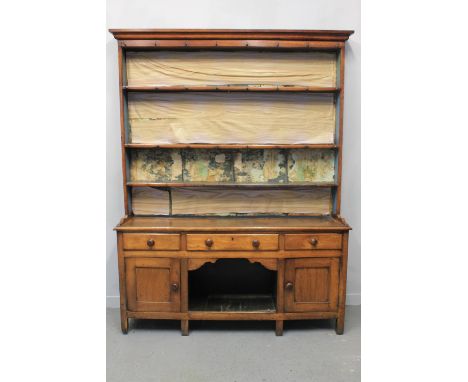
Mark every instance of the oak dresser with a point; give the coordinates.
(232, 157)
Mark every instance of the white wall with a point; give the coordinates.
(260, 14)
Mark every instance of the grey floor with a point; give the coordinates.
(234, 351)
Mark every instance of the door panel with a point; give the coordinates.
(153, 284)
(311, 284)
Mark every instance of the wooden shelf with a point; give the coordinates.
(234, 303)
(231, 223)
(228, 146)
(233, 88)
(233, 185)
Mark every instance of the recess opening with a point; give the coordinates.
(232, 285)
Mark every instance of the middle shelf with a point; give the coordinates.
(230, 185)
(230, 146)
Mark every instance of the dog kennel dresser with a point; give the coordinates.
(232, 157)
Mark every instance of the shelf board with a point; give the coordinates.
(229, 146)
(233, 88)
(326, 223)
(233, 303)
(231, 185)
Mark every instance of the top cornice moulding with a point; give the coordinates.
(231, 34)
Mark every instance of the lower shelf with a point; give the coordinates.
(264, 303)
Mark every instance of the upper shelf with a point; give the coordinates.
(231, 88)
(228, 146)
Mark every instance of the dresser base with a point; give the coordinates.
(307, 256)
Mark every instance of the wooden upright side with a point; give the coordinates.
(123, 129)
(184, 324)
(340, 133)
(342, 286)
(122, 286)
(280, 295)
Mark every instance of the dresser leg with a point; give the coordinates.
(184, 327)
(339, 326)
(279, 327)
(124, 321)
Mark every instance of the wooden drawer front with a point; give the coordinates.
(313, 241)
(151, 242)
(232, 242)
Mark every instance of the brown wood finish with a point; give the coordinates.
(194, 264)
(270, 264)
(231, 34)
(313, 241)
(340, 133)
(230, 44)
(342, 288)
(232, 88)
(123, 130)
(122, 285)
(311, 285)
(228, 146)
(153, 284)
(280, 296)
(231, 242)
(232, 185)
(212, 255)
(232, 316)
(156, 253)
(232, 224)
(184, 325)
(151, 241)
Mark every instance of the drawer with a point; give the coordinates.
(220, 242)
(151, 241)
(313, 241)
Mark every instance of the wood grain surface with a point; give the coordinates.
(197, 242)
(139, 241)
(233, 224)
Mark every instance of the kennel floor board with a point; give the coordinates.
(234, 303)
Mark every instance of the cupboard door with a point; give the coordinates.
(311, 285)
(153, 284)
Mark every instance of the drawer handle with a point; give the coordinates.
(174, 287)
(255, 243)
(150, 243)
(314, 241)
(289, 285)
(209, 243)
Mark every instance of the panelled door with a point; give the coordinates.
(153, 284)
(311, 284)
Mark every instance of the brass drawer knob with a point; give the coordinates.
(174, 287)
(314, 241)
(255, 243)
(209, 243)
(150, 243)
(289, 285)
